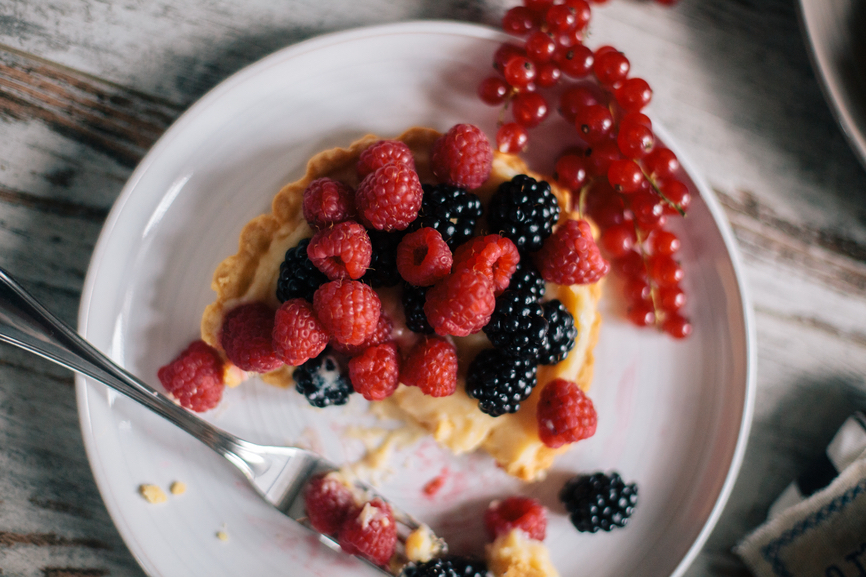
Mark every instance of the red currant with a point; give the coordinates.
(664, 242)
(611, 68)
(648, 209)
(671, 298)
(570, 171)
(560, 17)
(582, 12)
(511, 138)
(540, 47)
(519, 71)
(594, 123)
(575, 61)
(548, 74)
(574, 99)
(677, 326)
(519, 21)
(642, 314)
(631, 265)
(634, 94)
(529, 109)
(493, 90)
(618, 240)
(636, 118)
(504, 53)
(625, 176)
(603, 205)
(636, 290)
(676, 193)
(664, 270)
(538, 5)
(661, 163)
(635, 140)
(601, 155)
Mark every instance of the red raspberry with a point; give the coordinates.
(565, 414)
(327, 201)
(298, 334)
(382, 334)
(423, 258)
(523, 513)
(341, 251)
(570, 255)
(247, 338)
(328, 502)
(493, 255)
(389, 197)
(375, 372)
(371, 534)
(461, 303)
(195, 377)
(432, 367)
(462, 157)
(349, 310)
(382, 153)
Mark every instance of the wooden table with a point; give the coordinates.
(87, 87)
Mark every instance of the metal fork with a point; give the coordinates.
(279, 474)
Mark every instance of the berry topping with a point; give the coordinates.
(383, 153)
(413, 299)
(389, 197)
(328, 501)
(341, 251)
(383, 263)
(299, 277)
(565, 414)
(599, 501)
(499, 381)
(462, 157)
(321, 382)
(460, 304)
(523, 210)
(195, 377)
(423, 258)
(371, 533)
(492, 255)
(570, 255)
(246, 337)
(522, 513)
(450, 210)
(298, 335)
(432, 367)
(527, 278)
(375, 372)
(349, 310)
(382, 334)
(561, 333)
(327, 202)
(517, 325)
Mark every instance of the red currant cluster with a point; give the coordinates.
(619, 173)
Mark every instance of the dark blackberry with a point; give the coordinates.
(450, 210)
(447, 567)
(322, 382)
(299, 278)
(517, 325)
(561, 333)
(526, 277)
(499, 381)
(468, 566)
(413, 299)
(598, 501)
(383, 261)
(523, 210)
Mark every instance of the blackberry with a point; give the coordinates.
(526, 277)
(468, 567)
(561, 333)
(413, 299)
(517, 325)
(598, 501)
(499, 381)
(322, 382)
(523, 210)
(447, 567)
(451, 210)
(383, 262)
(299, 278)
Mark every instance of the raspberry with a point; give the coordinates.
(462, 157)
(381, 334)
(389, 197)
(247, 338)
(561, 333)
(565, 414)
(298, 335)
(382, 153)
(499, 381)
(349, 310)
(570, 256)
(371, 534)
(321, 382)
(375, 372)
(299, 278)
(493, 255)
(517, 325)
(327, 201)
(195, 377)
(341, 251)
(423, 258)
(460, 304)
(523, 210)
(432, 367)
(450, 210)
(413, 299)
(599, 501)
(383, 263)
(328, 501)
(523, 513)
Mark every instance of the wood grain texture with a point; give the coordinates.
(87, 87)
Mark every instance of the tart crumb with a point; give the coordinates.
(177, 488)
(222, 534)
(516, 555)
(152, 493)
(422, 545)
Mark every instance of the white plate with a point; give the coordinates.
(673, 415)
(835, 31)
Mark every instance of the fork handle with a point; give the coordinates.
(26, 324)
